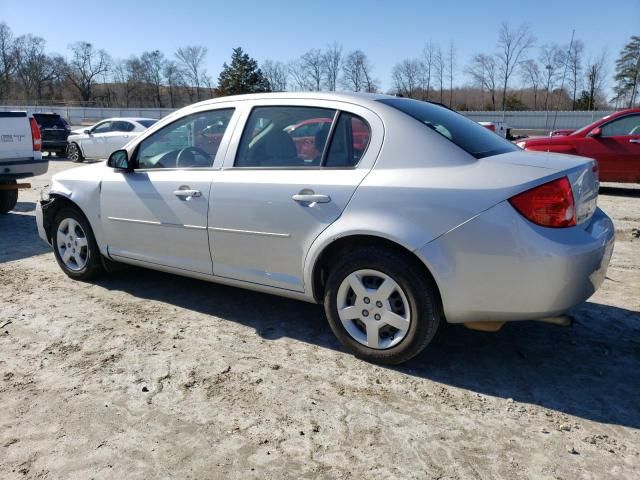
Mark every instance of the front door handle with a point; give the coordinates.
(186, 193)
(311, 198)
(634, 140)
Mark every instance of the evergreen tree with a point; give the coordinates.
(241, 76)
(628, 72)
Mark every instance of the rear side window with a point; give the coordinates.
(472, 137)
(349, 142)
(285, 137)
(121, 126)
(146, 123)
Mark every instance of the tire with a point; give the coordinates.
(8, 199)
(413, 306)
(84, 261)
(74, 153)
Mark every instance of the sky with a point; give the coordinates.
(387, 31)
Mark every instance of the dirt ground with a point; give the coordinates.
(148, 375)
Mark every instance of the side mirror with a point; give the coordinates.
(119, 160)
(596, 132)
(87, 132)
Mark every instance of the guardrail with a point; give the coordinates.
(534, 120)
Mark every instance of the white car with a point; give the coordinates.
(105, 137)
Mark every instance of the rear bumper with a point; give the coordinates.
(56, 145)
(500, 267)
(23, 167)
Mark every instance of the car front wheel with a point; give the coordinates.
(74, 245)
(380, 306)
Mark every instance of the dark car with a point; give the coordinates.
(54, 130)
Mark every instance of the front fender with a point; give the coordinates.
(81, 186)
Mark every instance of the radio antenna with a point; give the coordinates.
(564, 74)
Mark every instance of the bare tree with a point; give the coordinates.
(7, 59)
(533, 78)
(34, 67)
(574, 66)
(426, 67)
(551, 59)
(173, 77)
(153, 65)
(357, 73)
(276, 74)
(332, 59)
(129, 75)
(191, 62)
(513, 44)
(484, 72)
(596, 73)
(406, 77)
(439, 70)
(85, 67)
(451, 66)
(299, 76)
(312, 63)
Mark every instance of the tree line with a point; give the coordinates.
(519, 75)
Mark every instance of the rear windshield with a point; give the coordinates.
(472, 137)
(50, 121)
(146, 123)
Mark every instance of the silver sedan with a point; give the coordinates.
(396, 214)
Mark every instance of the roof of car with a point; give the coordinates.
(351, 97)
(129, 119)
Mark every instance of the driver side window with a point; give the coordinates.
(190, 142)
(627, 125)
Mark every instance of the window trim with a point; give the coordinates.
(327, 146)
(136, 150)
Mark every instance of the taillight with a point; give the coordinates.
(549, 205)
(35, 135)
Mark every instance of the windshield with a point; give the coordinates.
(472, 137)
(50, 121)
(147, 123)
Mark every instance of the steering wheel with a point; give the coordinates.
(191, 157)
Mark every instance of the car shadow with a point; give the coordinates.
(620, 191)
(591, 370)
(19, 234)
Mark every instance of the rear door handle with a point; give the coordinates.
(186, 194)
(311, 198)
(634, 140)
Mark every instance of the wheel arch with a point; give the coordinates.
(57, 203)
(330, 253)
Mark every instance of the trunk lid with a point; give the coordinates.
(582, 173)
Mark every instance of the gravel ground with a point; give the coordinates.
(149, 375)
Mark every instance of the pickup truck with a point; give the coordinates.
(20, 155)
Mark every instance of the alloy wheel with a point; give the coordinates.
(72, 244)
(373, 309)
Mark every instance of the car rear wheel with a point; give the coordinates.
(74, 153)
(74, 245)
(8, 198)
(380, 306)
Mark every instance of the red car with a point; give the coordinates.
(613, 141)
